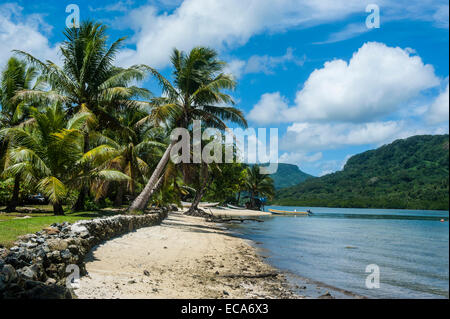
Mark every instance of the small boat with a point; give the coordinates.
(287, 212)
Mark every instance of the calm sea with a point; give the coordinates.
(335, 245)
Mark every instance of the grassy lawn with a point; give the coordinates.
(11, 226)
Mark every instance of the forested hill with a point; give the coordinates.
(411, 174)
(288, 175)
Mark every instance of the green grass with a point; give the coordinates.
(11, 227)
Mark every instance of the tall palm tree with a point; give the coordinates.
(258, 184)
(197, 93)
(47, 150)
(15, 77)
(88, 79)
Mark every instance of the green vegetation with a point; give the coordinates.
(288, 175)
(85, 135)
(407, 174)
(14, 225)
(258, 185)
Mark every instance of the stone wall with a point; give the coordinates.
(36, 266)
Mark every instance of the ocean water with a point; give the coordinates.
(335, 245)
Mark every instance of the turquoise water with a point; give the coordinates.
(334, 246)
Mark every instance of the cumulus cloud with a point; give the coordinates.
(377, 81)
(310, 137)
(269, 109)
(27, 33)
(263, 64)
(221, 24)
(439, 110)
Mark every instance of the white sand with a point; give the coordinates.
(184, 257)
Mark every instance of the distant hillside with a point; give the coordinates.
(410, 174)
(289, 175)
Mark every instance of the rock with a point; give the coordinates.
(31, 245)
(50, 281)
(73, 249)
(326, 295)
(226, 293)
(80, 230)
(131, 282)
(65, 254)
(51, 230)
(36, 266)
(57, 244)
(8, 274)
(29, 273)
(39, 290)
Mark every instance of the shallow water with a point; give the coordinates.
(335, 245)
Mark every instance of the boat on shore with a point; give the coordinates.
(287, 212)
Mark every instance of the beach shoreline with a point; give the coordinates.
(183, 258)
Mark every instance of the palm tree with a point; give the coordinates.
(258, 184)
(88, 79)
(16, 76)
(46, 151)
(196, 94)
(128, 150)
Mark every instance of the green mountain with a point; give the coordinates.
(408, 174)
(288, 175)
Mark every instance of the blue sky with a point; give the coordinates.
(313, 69)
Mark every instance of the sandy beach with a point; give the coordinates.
(184, 257)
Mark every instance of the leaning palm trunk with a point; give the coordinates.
(155, 189)
(193, 210)
(141, 201)
(15, 197)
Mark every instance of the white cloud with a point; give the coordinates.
(300, 158)
(441, 16)
(263, 64)
(439, 110)
(350, 31)
(231, 23)
(377, 81)
(309, 137)
(24, 33)
(222, 24)
(121, 6)
(269, 109)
